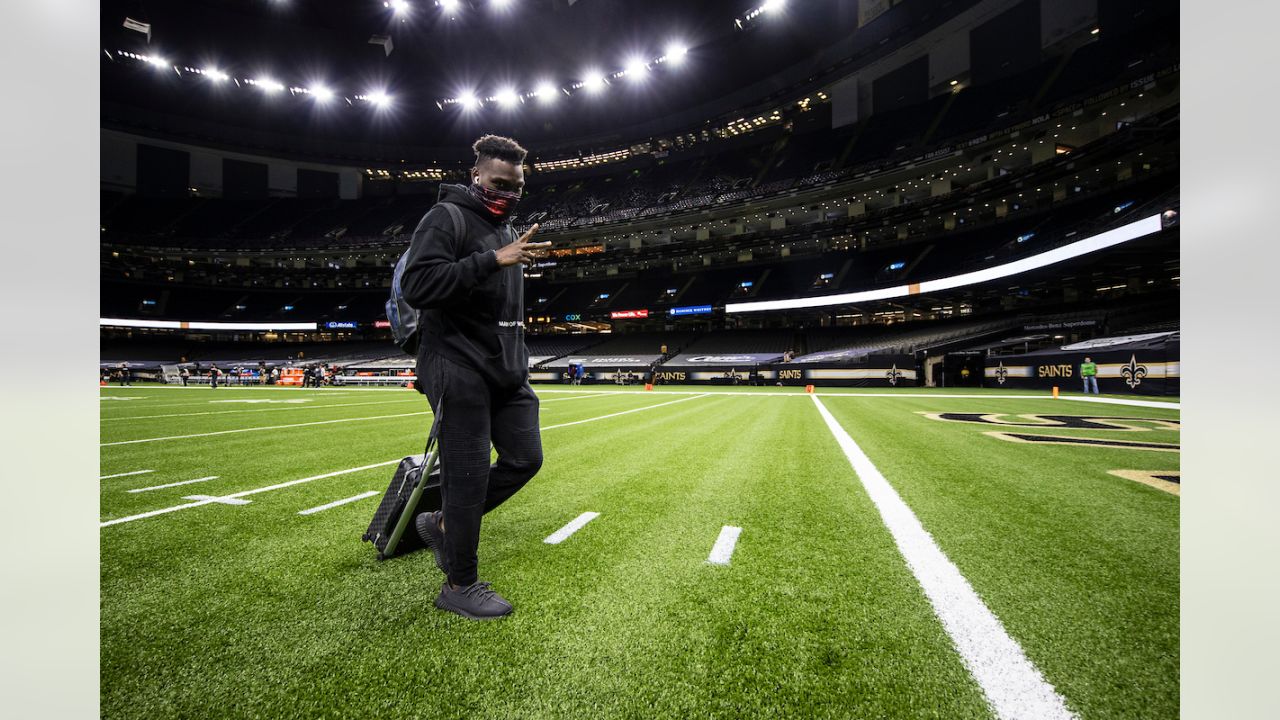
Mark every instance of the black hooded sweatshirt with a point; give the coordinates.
(472, 309)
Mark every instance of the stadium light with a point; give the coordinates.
(321, 93)
(267, 84)
(636, 68)
(506, 97)
(675, 54)
(399, 7)
(773, 5)
(502, 4)
(593, 81)
(450, 6)
(378, 98)
(545, 91)
(468, 101)
(214, 74)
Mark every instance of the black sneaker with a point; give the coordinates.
(475, 601)
(428, 526)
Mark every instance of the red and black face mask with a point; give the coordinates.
(499, 203)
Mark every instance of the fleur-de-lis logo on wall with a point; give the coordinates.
(1002, 373)
(1133, 373)
(893, 375)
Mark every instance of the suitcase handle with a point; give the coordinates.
(429, 460)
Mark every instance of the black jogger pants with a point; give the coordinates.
(475, 415)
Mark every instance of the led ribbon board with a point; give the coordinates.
(184, 325)
(1102, 241)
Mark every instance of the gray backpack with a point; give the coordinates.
(402, 316)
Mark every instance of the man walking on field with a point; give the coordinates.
(465, 273)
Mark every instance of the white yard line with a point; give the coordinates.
(624, 412)
(1124, 401)
(173, 484)
(243, 493)
(321, 422)
(723, 549)
(801, 394)
(574, 526)
(336, 503)
(1013, 686)
(290, 483)
(268, 427)
(134, 472)
(258, 410)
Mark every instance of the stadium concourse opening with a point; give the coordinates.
(828, 346)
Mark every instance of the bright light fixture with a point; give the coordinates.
(636, 68)
(772, 5)
(506, 97)
(675, 53)
(545, 91)
(399, 7)
(468, 101)
(450, 5)
(593, 81)
(321, 93)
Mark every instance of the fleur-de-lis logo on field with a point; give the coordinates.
(1133, 373)
(893, 375)
(1002, 373)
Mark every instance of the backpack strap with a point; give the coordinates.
(459, 222)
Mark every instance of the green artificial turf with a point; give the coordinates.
(256, 611)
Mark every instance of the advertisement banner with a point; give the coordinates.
(743, 360)
(691, 310)
(1136, 365)
(628, 314)
(604, 361)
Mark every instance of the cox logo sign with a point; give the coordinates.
(573, 317)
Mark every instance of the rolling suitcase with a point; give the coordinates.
(415, 488)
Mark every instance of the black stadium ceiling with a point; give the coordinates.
(483, 46)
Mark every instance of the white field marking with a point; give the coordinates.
(220, 499)
(258, 410)
(336, 503)
(278, 486)
(268, 427)
(801, 394)
(1123, 401)
(174, 484)
(574, 526)
(265, 400)
(133, 472)
(624, 412)
(242, 493)
(1013, 686)
(120, 397)
(723, 549)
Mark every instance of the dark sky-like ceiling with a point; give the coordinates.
(436, 55)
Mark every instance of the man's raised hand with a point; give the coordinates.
(522, 250)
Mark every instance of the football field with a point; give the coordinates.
(904, 553)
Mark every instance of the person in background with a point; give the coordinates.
(185, 374)
(1089, 374)
(582, 373)
(214, 372)
(124, 374)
